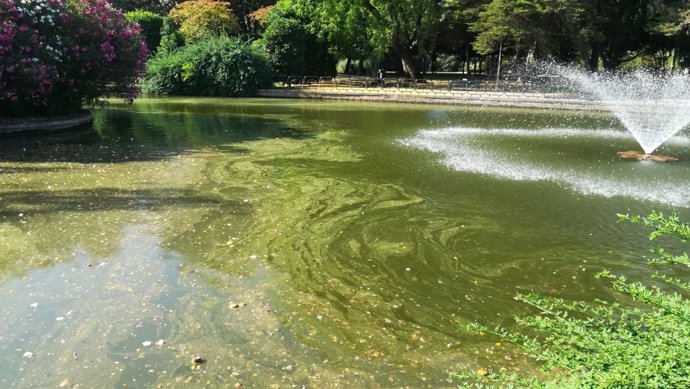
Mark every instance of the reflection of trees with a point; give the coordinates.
(153, 131)
(79, 190)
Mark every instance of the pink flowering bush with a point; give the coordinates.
(57, 55)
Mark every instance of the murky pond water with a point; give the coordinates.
(305, 244)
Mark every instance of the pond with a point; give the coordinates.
(295, 243)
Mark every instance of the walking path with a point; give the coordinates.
(437, 96)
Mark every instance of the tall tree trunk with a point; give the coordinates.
(348, 64)
(467, 59)
(408, 62)
(673, 60)
(498, 65)
(595, 43)
(593, 62)
(611, 60)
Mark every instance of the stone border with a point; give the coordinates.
(472, 98)
(41, 125)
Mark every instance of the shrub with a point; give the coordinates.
(171, 38)
(609, 344)
(56, 55)
(151, 25)
(204, 18)
(221, 66)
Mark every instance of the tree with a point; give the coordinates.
(455, 35)
(243, 9)
(202, 18)
(670, 32)
(293, 48)
(614, 31)
(151, 24)
(562, 34)
(408, 28)
(348, 37)
(506, 22)
(412, 26)
(595, 31)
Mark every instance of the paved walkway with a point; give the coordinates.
(436, 96)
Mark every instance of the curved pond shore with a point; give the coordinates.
(425, 96)
(40, 125)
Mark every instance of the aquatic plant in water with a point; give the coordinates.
(606, 344)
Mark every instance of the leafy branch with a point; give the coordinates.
(641, 344)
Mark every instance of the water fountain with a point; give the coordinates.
(653, 110)
(652, 107)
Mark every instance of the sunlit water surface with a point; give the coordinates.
(295, 243)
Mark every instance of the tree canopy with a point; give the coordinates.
(203, 18)
(597, 34)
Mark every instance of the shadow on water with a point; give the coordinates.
(122, 135)
(101, 199)
(11, 169)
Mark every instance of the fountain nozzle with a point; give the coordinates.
(641, 156)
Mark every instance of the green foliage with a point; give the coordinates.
(158, 6)
(57, 56)
(244, 10)
(293, 49)
(507, 22)
(586, 32)
(171, 38)
(221, 66)
(151, 24)
(346, 28)
(643, 344)
(408, 28)
(199, 19)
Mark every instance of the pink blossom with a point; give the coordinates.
(72, 48)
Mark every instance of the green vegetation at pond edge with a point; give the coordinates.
(214, 66)
(639, 342)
